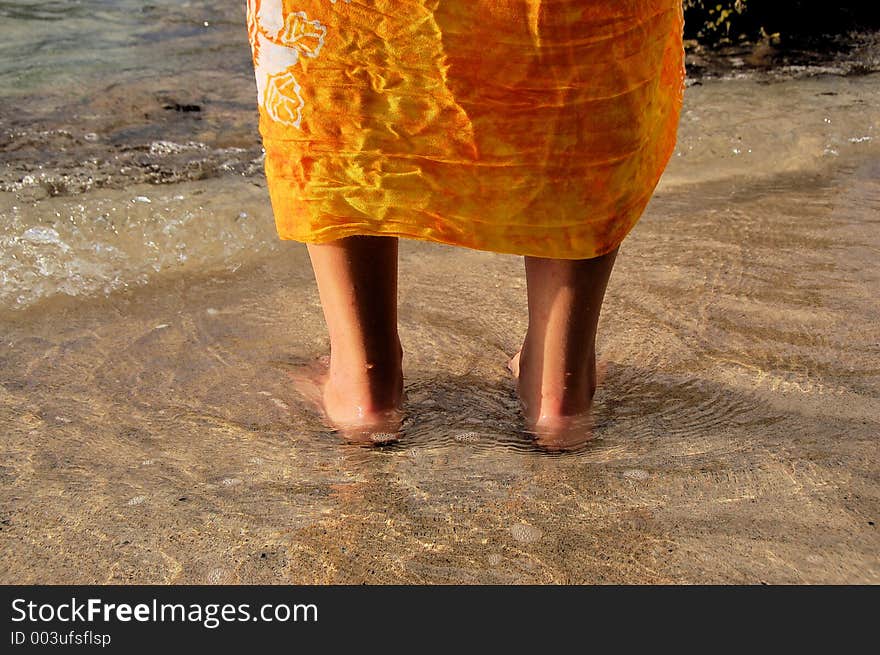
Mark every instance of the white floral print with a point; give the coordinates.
(278, 41)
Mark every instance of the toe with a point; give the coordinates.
(513, 364)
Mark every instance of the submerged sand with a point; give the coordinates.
(150, 433)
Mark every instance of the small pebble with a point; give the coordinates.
(636, 474)
(525, 533)
(467, 437)
(137, 500)
(382, 437)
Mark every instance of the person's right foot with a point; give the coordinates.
(364, 406)
(513, 363)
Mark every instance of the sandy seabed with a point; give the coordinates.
(151, 435)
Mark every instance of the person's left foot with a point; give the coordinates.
(554, 429)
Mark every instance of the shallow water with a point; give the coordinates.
(154, 435)
(148, 332)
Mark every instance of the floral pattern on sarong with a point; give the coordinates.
(278, 41)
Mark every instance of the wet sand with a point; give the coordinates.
(152, 435)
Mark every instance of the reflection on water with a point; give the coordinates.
(149, 320)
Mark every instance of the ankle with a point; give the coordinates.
(373, 383)
(369, 360)
(554, 389)
(554, 406)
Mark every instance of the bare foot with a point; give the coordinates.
(308, 382)
(351, 408)
(513, 364)
(555, 429)
(563, 433)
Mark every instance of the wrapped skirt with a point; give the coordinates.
(532, 127)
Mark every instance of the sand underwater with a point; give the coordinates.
(149, 320)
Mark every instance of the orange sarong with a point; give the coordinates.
(534, 127)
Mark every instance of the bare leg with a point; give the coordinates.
(556, 368)
(357, 282)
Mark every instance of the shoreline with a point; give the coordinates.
(105, 239)
(137, 132)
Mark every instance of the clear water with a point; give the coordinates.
(71, 46)
(150, 319)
